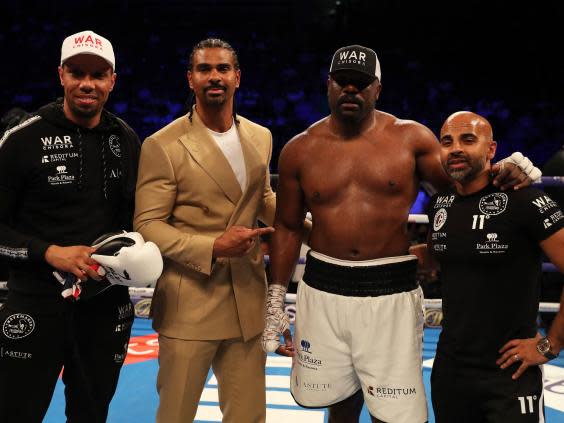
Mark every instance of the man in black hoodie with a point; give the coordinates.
(67, 176)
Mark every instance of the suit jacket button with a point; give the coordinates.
(206, 209)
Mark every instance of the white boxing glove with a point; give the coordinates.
(128, 260)
(276, 319)
(526, 166)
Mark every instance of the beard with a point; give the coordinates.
(473, 167)
(84, 113)
(352, 116)
(214, 100)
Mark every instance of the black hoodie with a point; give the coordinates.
(61, 184)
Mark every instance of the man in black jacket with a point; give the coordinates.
(67, 176)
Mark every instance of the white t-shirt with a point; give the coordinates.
(230, 144)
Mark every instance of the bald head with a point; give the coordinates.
(472, 122)
(467, 147)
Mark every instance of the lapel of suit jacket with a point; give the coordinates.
(252, 164)
(203, 148)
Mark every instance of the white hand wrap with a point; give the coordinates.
(526, 166)
(276, 319)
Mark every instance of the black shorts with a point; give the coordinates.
(470, 395)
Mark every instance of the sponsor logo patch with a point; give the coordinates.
(444, 201)
(125, 311)
(58, 157)
(61, 177)
(492, 245)
(57, 143)
(18, 326)
(4, 353)
(312, 386)
(544, 203)
(440, 219)
(390, 392)
(493, 204)
(115, 145)
(306, 358)
(120, 357)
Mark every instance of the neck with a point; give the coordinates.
(351, 129)
(217, 118)
(481, 181)
(86, 122)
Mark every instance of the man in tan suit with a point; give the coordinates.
(203, 183)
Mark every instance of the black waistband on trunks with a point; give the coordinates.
(360, 281)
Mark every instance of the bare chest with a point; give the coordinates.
(370, 170)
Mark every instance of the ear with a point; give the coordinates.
(492, 149)
(378, 88)
(114, 76)
(237, 78)
(60, 70)
(189, 78)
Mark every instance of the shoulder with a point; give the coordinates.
(411, 131)
(171, 132)
(531, 195)
(253, 127)
(524, 193)
(308, 138)
(21, 131)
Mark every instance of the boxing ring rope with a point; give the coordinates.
(430, 304)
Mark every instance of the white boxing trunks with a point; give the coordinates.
(359, 325)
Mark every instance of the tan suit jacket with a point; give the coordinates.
(187, 196)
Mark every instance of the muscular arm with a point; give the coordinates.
(285, 249)
(289, 218)
(427, 157)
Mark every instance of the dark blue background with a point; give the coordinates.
(499, 60)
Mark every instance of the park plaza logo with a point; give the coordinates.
(306, 357)
(305, 346)
(56, 142)
(61, 177)
(492, 244)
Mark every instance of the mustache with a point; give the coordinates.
(349, 99)
(456, 156)
(215, 87)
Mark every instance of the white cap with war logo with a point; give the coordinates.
(88, 42)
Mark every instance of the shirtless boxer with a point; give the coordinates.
(359, 309)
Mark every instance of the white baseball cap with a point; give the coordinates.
(88, 42)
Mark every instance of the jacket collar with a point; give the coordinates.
(204, 150)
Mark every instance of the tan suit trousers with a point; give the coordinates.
(238, 366)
